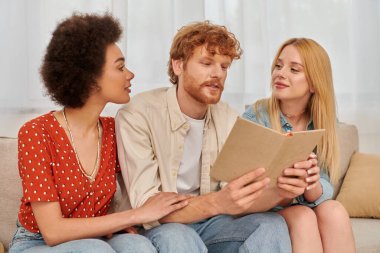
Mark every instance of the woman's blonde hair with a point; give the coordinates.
(321, 106)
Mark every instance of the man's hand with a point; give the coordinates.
(239, 195)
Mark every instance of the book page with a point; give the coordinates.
(250, 146)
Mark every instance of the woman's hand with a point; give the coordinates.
(313, 176)
(314, 187)
(160, 205)
(129, 230)
(292, 182)
(157, 207)
(299, 179)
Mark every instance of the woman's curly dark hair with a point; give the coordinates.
(75, 57)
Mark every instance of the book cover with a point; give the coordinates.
(251, 145)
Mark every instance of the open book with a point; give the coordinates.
(250, 146)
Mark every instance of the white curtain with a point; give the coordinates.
(348, 30)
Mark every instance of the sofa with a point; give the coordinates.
(360, 175)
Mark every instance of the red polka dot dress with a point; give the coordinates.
(49, 171)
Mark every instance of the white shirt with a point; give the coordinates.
(189, 173)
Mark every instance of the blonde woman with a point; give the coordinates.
(303, 99)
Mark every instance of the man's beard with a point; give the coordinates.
(198, 93)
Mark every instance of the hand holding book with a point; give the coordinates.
(250, 146)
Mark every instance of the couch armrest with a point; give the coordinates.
(10, 189)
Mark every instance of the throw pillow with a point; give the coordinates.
(360, 190)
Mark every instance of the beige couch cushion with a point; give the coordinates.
(10, 184)
(348, 144)
(360, 191)
(366, 234)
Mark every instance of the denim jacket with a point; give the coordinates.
(263, 119)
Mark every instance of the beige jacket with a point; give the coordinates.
(150, 132)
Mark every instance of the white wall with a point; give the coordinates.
(349, 31)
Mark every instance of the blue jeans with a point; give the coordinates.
(28, 242)
(253, 233)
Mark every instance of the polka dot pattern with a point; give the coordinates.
(49, 171)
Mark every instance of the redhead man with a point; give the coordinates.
(168, 138)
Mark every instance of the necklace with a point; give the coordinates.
(92, 176)
(289, 115)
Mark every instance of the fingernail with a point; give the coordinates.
(308, 188)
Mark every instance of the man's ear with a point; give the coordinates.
(177, 66)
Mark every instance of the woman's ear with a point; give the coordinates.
(177, 66)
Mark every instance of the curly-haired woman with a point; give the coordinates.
(67, 158)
